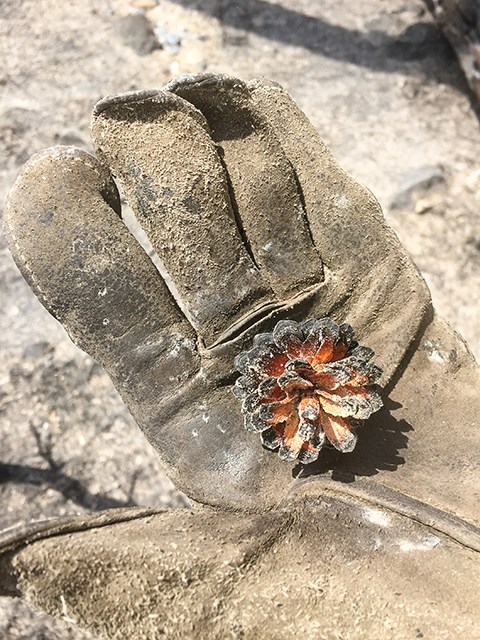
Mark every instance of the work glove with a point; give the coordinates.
(264, 244)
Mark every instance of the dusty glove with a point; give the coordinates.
(321, 567)
(255, 223)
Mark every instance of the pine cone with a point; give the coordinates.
(306, 385)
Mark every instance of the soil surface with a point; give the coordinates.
(380, 83)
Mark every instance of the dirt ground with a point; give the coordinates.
(380, 83)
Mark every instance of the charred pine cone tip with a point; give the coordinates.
(307, 385)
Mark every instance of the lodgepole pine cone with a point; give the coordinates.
(305, 385)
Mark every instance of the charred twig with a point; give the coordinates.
(71, 488)
(45, 448)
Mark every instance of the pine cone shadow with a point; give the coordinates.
(380, 442)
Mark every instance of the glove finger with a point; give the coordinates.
(64, 230)
(343, 215)
(264, 184)
(372, 282)
(159, 149)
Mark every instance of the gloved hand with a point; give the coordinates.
(255, 223)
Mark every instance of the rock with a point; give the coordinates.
(137, 33)
(433, 201)
(416, 183)
(419, 41)
(71, 137)
(37, 350)
(169, 39)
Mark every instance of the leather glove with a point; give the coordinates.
(254, 223)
